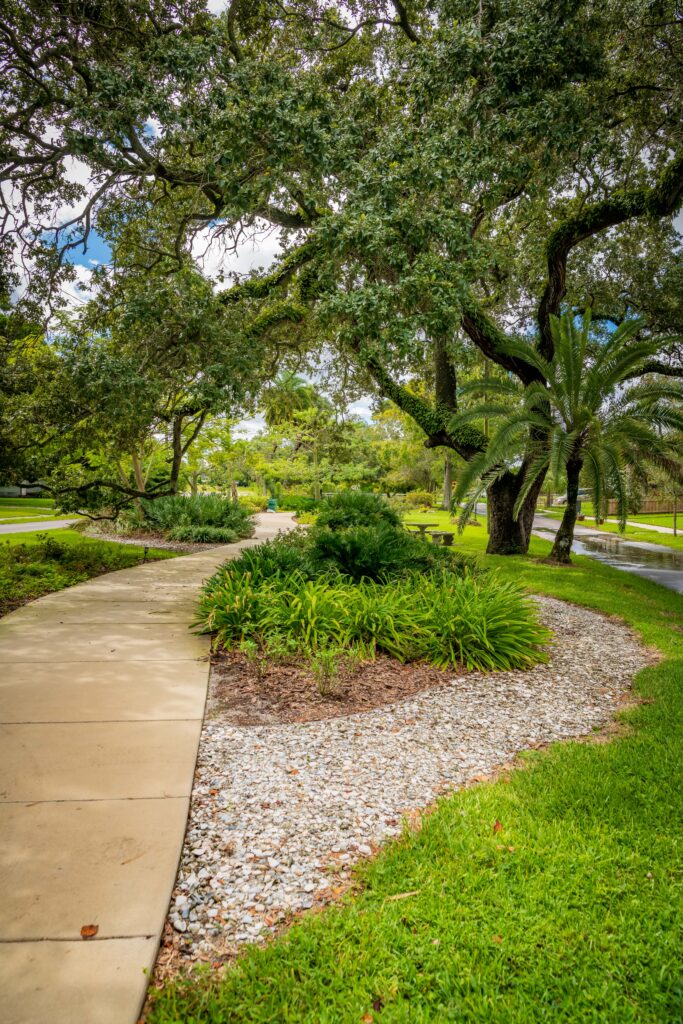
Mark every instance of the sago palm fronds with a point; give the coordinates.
(585, 414)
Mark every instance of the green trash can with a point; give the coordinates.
(272, 505)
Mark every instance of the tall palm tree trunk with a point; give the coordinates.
(565, 535)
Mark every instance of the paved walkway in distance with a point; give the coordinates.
(635, 523)
(640, 526)
(37, 526)
(101, 703)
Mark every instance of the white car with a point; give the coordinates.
(583, 495)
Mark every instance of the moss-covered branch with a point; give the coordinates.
(662, 200)
(433, 419)
(262, 287)
(272, 316)
(490, 340)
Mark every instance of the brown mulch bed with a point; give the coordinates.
(287, 692)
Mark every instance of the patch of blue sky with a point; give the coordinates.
(97, 251)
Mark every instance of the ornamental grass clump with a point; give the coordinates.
(440, 617)
(203, 534)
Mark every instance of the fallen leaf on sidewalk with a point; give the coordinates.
(89, 931)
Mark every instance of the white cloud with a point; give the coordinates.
(249, 428)
(80, 174)
(362, 408)
(79, 290)
(260, 250)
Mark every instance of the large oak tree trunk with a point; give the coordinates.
(565, 535)
(507, 535)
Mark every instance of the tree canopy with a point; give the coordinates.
(444, 176)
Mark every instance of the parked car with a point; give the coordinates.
(584, 495)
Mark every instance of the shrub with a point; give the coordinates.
(203, 534)
(372, 552)
(280, 557)
(297, 503)
(355, 508)
(444, 619)
(307, 518)
(376, 552)
(419, 499)
(179, 510)
(254, 503)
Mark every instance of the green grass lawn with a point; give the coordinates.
(27, 502)
(34, 564)
(659, 520)
(66, 534)
(13, 520)
(21, 512)
(580, 921)
(18, 513)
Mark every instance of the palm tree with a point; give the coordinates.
(288, 395)
(584, 416)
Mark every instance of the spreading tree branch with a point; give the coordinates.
(490, 340)
(662, 200)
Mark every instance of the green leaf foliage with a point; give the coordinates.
(355, 508)
(442, 618)
(203, 534)
(182, 513)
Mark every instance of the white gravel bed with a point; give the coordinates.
(276, 807)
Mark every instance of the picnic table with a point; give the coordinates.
(422, 528)
(444, 537)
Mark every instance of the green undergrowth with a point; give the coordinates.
(358, 582)
(199, 519)
(440, 618)
(569, 912)
(44, 563)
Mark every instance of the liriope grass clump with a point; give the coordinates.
(445, 619)
(356, 584)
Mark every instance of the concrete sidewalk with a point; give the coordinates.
(101, 703)
(36, 526)
(634, 523)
